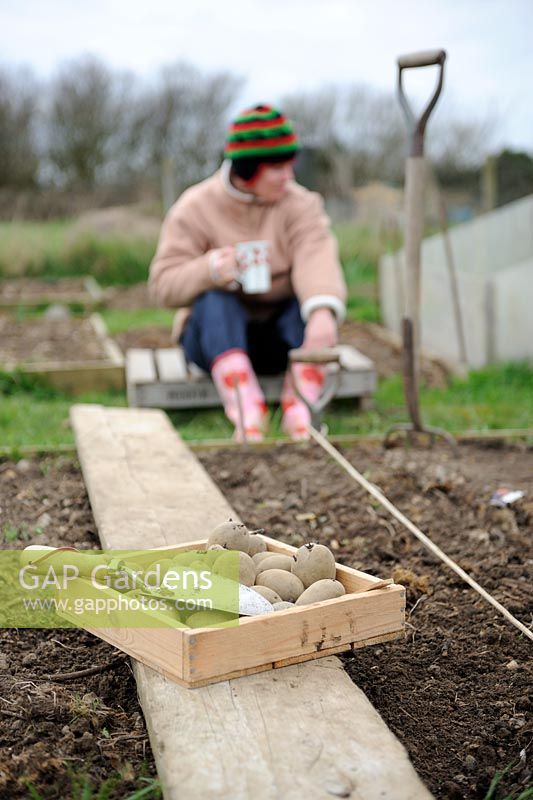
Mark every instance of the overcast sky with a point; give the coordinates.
(280, 46)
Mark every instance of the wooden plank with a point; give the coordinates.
(171, 364)
(301, 731)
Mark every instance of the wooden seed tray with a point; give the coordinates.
(196, 657)
(77, 377)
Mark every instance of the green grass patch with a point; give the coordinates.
(495, 398)
(83, 787)
(55, 250)
(112, 261)
(24, 244)
(119, 320)
(361, 280)
(32, 413)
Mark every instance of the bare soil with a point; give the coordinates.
(33, 341)
(151, 336)
(31, 289)
(53, 727)
(457, 692)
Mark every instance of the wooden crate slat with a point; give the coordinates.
(171, 364)
(140, 365)
(352, 359)
(302, 731)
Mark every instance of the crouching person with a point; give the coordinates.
(249, 258)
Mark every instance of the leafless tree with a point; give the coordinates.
(84, 122)
(181, 118)
(18, 110)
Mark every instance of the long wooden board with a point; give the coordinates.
(304, 730)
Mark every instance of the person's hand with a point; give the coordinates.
(321, 330)
(223, 267)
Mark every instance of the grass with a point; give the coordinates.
(32, 413)
(55, 250)
(498, 397)
(27, 244)
(9, 533)
(118, 320)
(82, 787)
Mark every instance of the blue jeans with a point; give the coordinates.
(220, 322)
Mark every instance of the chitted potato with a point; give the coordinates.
(225, 565)
(275, 561)
(288, 586)
(210, 555)
(267, 593)
(206, 618)
(326, 589)
(257, 544)
(312, 563)
(283, 606)
(258, 558)
(230, 535)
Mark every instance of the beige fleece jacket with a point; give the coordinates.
(213, 214)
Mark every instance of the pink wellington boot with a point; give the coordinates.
(232, 372)
(296, 416)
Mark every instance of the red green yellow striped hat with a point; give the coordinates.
(259, 132)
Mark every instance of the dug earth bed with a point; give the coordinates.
(457, 691)
(60, 732)
(39, 340)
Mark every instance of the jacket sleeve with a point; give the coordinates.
(316, 274)
(179, 272)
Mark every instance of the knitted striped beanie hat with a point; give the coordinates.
(261, 133)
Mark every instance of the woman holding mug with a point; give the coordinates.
(249, 258)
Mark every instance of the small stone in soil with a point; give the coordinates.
(470, 763)
(44, 521)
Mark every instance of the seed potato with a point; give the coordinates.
(267, 593)
(288, 586)
(258, 558)
(257, 544)
(231, 535)
(283, 606)
(225, 565)
(312, 563)
(326, 589)
(275, 561)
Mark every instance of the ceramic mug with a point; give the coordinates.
(253, 266)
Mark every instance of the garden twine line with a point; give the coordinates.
(391, 508)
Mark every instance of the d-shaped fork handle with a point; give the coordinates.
(417, 127)
(327, 356)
